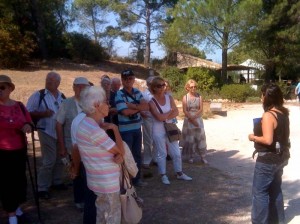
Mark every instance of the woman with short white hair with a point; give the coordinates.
(100, 155)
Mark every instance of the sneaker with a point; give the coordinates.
(140, 183)
(44, 195)
(184, 177)
(165, 180)
(204, 161)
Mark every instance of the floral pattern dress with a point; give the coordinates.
(193, 140)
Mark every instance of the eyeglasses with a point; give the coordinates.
(3, 87)
(160, 85)
(193, 87)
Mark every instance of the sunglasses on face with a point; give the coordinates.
(160, 85)
(193, 87)
(3, 87)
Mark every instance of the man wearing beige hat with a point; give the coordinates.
(43, 105)
(68, 110)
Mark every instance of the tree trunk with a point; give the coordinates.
(40, 28)
(224, 56)
(148, 44)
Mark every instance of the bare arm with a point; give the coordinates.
(269, 123)
(60, 139)
(174, 110)
(157, 115)
(118, 149)
(75, 165)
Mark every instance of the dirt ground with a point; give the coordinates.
(219, 192)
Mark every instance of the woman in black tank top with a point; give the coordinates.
(271, 143)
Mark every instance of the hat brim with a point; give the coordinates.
(10, 84)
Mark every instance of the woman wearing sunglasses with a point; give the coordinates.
(14, 124)
(193, 135)
(160, 139)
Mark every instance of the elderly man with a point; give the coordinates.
(43, 105)
(65, 115)
(130, 102)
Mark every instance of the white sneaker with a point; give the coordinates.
(204, 161)
(165, 180)
(184, 177)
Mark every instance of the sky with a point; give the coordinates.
(123, 49)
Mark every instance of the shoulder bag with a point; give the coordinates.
(172, 131)
(131, 204)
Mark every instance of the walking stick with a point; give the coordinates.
(34, 181)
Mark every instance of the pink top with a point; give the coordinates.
(12, 120)
(101, 171)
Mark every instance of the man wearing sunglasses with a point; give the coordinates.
(129, 103)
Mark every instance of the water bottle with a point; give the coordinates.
(277, 147)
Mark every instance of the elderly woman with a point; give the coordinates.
(271, 143)
(15, 122)
(100, 155)
(193, 134)
(160, 140)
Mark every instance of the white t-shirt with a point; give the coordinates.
(74, 126)
(158, 126)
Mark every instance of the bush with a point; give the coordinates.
(175, 78)
(15, 48)
(204, 77)
(253, 99)
(82, 49)
(237, 93)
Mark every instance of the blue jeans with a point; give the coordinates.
(89, 210)
(134, 142)
(267, 198)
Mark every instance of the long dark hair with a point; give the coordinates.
(273, 97)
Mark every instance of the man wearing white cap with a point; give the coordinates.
(68, 110)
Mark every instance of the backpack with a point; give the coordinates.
(42, 98)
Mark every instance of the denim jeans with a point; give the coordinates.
(89, 210)
(134, 142)
(267, 198)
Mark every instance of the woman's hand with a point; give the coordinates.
(108, 126)
(194, 122)
(73, 172)
(118, 158)
(27, 128)
(251, 137)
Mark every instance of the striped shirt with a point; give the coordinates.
(126, 123)
(46, 124)
(101, 171)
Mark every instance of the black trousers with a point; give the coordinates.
(13, 185)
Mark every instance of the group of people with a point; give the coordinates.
(91, 128)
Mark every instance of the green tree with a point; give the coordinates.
(277, 36)
(91, 15)
(148, 14)
(217, 23)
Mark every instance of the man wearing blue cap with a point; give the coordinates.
(129, 103)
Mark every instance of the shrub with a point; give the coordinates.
(253, 99)
(204, 77)
(237, 93)
(81, 48)
(174, 77)
(15, 48)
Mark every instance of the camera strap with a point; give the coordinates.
(129, 95)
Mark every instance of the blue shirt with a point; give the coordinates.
(128, 123)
